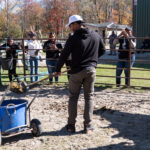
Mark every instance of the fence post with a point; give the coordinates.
(24, 60)
(129, 64)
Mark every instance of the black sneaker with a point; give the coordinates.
(71, 128)
(88, 128)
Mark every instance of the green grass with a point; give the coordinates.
(112, 72)
(134, 74)
(105, 72)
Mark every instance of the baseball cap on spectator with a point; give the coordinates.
(74, 18)
(31, 34)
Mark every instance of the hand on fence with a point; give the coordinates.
(57, 73)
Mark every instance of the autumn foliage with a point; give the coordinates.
(44, 16)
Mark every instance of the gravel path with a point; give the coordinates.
(121, 120)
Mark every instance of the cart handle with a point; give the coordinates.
(53, 75)
(11, 104)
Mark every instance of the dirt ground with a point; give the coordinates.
(121, 120)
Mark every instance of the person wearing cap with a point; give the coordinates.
(33, 50)
(85, 47)
(124, 46)
(52, 49)
(12, 55)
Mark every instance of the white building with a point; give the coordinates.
(105, 29)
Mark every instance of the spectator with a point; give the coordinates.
(85, 46)
(112, 45)
(11, 54)
(52, 49)
(124, 55)
(146, 43)
(33, 50)
(27, 57)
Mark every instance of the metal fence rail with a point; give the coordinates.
(101, 60)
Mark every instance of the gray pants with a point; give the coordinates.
(86, 78)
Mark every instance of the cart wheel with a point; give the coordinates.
(0, 138)
(35, 125)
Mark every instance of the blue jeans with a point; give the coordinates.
(51, 65)
(34, 62)
(122, 65)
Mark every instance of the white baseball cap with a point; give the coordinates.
(74, 18)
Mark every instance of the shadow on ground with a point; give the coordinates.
(102, 87)
(16, 138)
(25, 136)
(58, 91)
(61, 132)
(3, 88)
(133, 127)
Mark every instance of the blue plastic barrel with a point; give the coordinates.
(12, 115)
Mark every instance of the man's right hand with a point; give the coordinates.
(57, 74)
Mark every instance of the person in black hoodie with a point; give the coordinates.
(11, 53)
(85, 47)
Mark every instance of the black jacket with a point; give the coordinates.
(12, 53)
(124, 49)
(52, 53)
(85, 47)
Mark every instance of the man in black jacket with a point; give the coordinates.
(85, 46)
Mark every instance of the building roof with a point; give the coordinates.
(108, 25)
